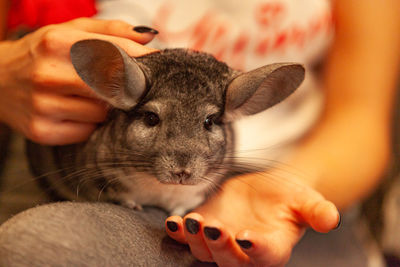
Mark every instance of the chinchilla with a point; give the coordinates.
(168, 140)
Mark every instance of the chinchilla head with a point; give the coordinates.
(174, 107)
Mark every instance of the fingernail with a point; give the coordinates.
(246, 244)
(192, 226)
(145, 29)
(339, 223)
(212, 233)
(172, 226)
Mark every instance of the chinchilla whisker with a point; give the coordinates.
(260, 160)
(104, 187)
(243, 181)
(78, 169)
(279, 181)
(260, 149)
(83, 174)
(73, 175)
(274, 164)
(238, 169)
(163, 180)
(34, 179)
(233, 169)
(240, 156)
(121, 165)
(110, 163)
(72, 170)
(92, 175)
(118, 152)
(214, 186)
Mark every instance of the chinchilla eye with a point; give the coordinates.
(151, 119)
(208, 123)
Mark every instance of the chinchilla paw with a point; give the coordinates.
(132, 205)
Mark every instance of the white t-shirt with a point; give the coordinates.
(246, 35)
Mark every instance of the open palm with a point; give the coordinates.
(253, 221)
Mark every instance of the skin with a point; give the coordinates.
(343, 157)
(56, 107)
(271, 210)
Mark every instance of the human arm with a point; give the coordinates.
(341, 159)
(40, 93)
(353, 136)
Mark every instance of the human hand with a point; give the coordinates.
(41, 95)
(255, 220)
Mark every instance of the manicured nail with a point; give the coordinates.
(145, 29)
(246, 244)
(172, 226)
(339, 223)
(212, 233)
(192, 226)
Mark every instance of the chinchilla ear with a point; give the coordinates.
(109, 71)
(257, 90)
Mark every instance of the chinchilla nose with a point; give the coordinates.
(181, 174)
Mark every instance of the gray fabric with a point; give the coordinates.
(89, 234)
(339, 248)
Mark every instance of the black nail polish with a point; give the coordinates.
(212, 233)
(339, 223)
(192, 226)
(172, 226)
(145, 29)
(246, 244)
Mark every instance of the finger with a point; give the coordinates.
(58, 41)
(321, 215)
(132, 48)
(194, 236)
(174, 227)
(223, 248)
(70, 108)
(49, 132)
(116, 28)
(269, 249)
(59, 77)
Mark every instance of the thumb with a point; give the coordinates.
(117, 28)
(321, 215)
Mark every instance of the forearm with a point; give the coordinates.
(345, 155)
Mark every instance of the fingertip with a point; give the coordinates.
(174, 218)
(243, 239)
(80, 132)
(145, 29)
(194, 216)
(174, 228)
(214, 232)
(339, 223)
(144, 34)
(264, 250)
(100, 111)
(193, 225)
(326, 217)
(173, 223)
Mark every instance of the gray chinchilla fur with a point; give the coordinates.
(168, 140)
